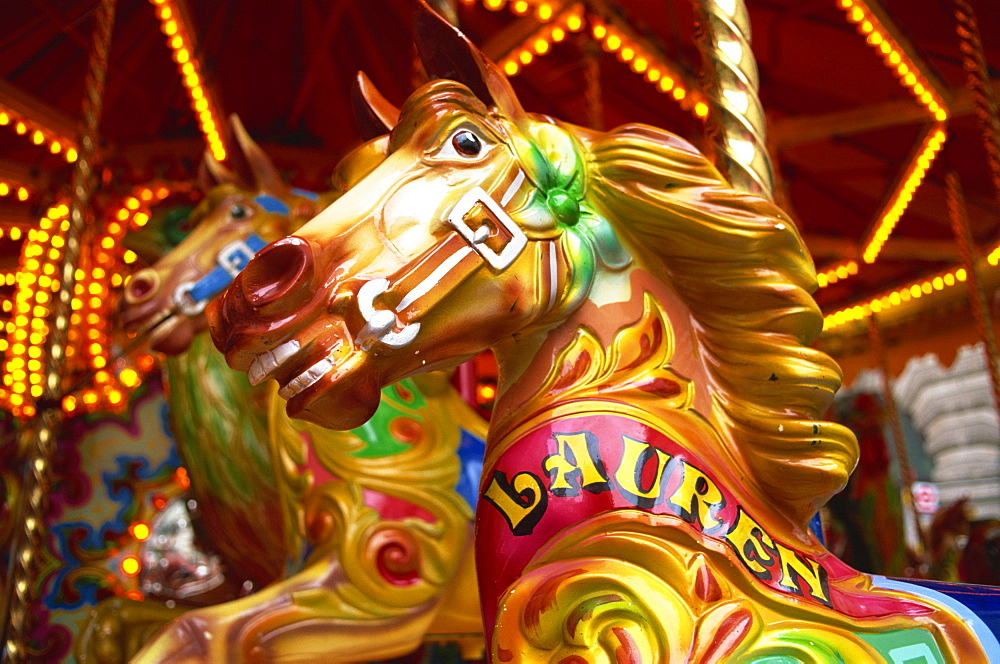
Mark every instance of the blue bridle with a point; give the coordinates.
(192, 297)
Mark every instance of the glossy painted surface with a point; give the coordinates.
(651, 326)
(330, 529)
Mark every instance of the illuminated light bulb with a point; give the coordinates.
(545, 12)
(627, 54)
(856, 15)
(821, 280)
(918, 89)
(21, 128)
(162, 192)
(182, 478)
(123, 214)
(493, 5)
(925, 97)
(902, 68)
(679, 93)
(182, 56)
(949, 279)
(599, 31)
(614, 42)
(192, 80)
(701, 109)
(937, 283)
(511, 68)
(558, 34)
(164, 13)
(875, 306)
(170, 27)
(894, 58)
(71, 155)
(146, 194)
(915, 291)
(940, 115)
(926, 287)
(852, 267)
(875, 38)
(197, 93)
(188, 68)
(960, 274)
(866, 27)
(653, 75)
(541, 46)
(130, 565)
(842, 272)
(520, 7)
(639, 65)
(114, 396)
(129, 377)
(140, 531)
(4, 119)
(132, 203)
(910, 79)
(4, 188)
(885, 47)
(176, 42)
(140, 219)
(574, 23)
(38, 137)
(526, 57)
(219, 153)
(22, 194)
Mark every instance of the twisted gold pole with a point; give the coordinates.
(38, 441)
(958, 212)
(978, 82)
(736, 124)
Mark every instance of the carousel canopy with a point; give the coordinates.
(867, 104)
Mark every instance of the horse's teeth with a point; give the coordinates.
(267, 362)
(306, 378)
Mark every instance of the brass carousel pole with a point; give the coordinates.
(736, 119)
(978, 82)
(38, 439)
(977, 295)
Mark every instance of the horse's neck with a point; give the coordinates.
(631, 349)
(632, 327)
(220, 426)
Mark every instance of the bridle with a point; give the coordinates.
(427, 280)
(191, 297)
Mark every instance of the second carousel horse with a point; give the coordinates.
(351, 534)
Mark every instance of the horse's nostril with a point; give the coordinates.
(141, 286)
(277, 270)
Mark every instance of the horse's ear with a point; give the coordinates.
(446, 53)
(249, 160)
(373, 112)
(211, 173)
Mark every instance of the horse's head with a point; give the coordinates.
(456, 241)
(244, 209)
(485, 226)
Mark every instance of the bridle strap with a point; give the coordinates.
(497, 242)
(192, 297)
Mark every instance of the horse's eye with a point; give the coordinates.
(467, 144)
(238, 211)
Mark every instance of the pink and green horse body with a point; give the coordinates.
(341, 536)
(657, 450)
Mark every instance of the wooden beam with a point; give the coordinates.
(37, 112)
(826, 248)
(808, 129)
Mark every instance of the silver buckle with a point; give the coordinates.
(234, 257)
(510, 252)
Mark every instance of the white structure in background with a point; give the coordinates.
(953, 409)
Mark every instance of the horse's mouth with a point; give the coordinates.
(299, 366)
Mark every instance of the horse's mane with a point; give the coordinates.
(738, 263)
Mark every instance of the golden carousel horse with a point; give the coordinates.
(656, 451)
(364, 536)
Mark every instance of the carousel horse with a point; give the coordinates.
(381, 515)
(655, 454)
